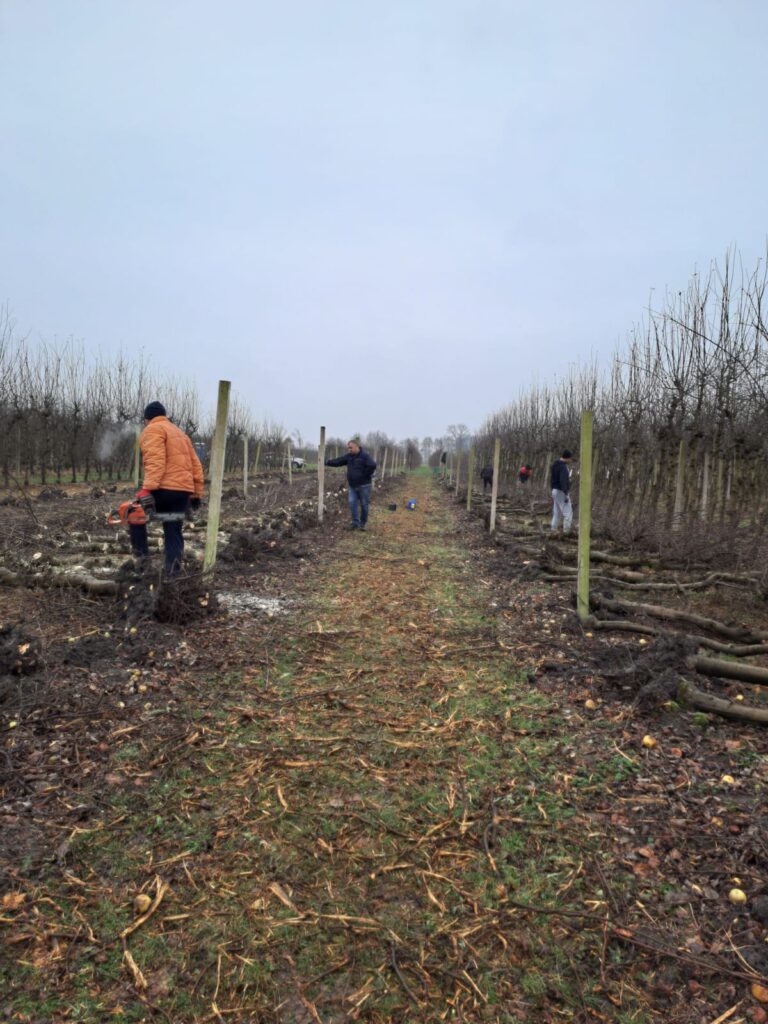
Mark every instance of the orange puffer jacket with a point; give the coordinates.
(170, 461)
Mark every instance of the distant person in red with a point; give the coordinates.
(525, 474)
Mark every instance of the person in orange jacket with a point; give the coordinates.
(173, 483)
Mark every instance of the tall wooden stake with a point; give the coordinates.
(458, 472)
(677, 513)
(495, 484)
(321, 476)
(585, 514)
(290, 467)
(256, 460)
(245, 465)
(704, 487)
(384, 466)
(217, 476)
(470, 478)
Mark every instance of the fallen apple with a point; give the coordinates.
(142, 903)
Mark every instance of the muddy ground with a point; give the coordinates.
(76, 670)
(82, 677)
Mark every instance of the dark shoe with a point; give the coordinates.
(353, 527)
(362, 528)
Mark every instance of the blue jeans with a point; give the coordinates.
(165, 501)
(359, 496)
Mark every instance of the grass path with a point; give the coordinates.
(348, 832)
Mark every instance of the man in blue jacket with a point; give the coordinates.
(360, 470)
(561, 485)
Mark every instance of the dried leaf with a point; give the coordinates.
(13, 900)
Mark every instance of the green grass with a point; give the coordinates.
(442, 802)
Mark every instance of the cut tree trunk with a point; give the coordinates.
(728, 670)
(626, 626)
(687, 694)
(656, 611)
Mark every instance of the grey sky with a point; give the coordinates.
(376, 216)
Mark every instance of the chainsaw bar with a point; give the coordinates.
(132, 513)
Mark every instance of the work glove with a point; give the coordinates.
(147, 500)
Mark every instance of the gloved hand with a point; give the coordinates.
(147, 500)
(194, 503)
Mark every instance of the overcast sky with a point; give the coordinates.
(388, 215)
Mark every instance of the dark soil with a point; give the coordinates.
(77, 671)
(82, 677)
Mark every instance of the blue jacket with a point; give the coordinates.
(561, 480)
(360, 467)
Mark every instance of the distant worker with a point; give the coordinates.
(360, 470)
(525, 474)
(486, 475)
(560, 481)
(173, 482)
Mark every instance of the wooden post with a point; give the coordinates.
(585, 514)
(290, 467)
(217, 476)
(384, 466)
(321, 476)
(245, 465)
(705, 487)
(470, 478)
(495, 484)
(137, 461)
(256, 460)
(458, 472)
(677, 512)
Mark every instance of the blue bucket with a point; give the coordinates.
(411, 505)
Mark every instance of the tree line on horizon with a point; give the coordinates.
(67, 416)
(680, 415)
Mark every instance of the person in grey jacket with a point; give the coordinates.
(360, 470)
(560, 482)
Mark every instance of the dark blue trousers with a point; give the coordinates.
(165, 501)
(359, 497)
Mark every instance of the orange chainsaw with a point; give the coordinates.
(132, 513)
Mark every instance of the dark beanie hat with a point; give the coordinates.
(154, 409)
